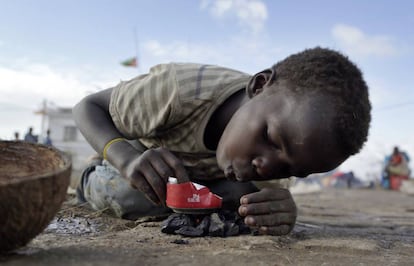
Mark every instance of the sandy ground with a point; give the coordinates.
(334, 227)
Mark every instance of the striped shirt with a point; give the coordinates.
(171, 106)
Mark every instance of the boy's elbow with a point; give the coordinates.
(97, 103)
(75, 110)
(78, 110)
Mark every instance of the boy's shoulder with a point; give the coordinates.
(208, 82)
(205, 74)
(189, 69)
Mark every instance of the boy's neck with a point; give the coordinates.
(221, 117)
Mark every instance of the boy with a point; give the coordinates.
(304, 115)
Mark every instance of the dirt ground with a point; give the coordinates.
(334, 227)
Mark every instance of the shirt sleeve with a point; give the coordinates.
(140, 106)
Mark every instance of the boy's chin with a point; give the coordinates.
(220, 157)
(220, 164)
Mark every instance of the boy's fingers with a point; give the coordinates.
(163, 169)
(179, 171)
(156, 182)
(271, 220)
(285, 205)
(276, 230)
(140, 183)
(265, 194)
(145, 170)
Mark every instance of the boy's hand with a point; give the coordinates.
(149, 173)
(271, 211)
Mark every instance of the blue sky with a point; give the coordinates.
(62, 50)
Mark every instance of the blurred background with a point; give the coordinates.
(53, 53)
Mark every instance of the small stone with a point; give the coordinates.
(217, 226)
(232, 229)
(175, 221)
(180, 241)
(189, 231)
(204, 225)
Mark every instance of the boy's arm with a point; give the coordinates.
(147, 171)
(94, 121)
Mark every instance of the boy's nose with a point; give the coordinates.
(272, 166)
(261, 165)
(257, 162)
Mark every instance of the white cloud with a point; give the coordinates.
(355, 41)
(32, 83)
(251, 14)
(25, 85)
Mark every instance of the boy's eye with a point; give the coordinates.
(265, 134)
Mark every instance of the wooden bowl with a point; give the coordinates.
(33, 183)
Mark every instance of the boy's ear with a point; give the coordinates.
(259, 81)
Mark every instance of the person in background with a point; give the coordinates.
(30, 137)
(398, 163)
(16, 136)
(48, 140)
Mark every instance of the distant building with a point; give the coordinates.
(66, 137)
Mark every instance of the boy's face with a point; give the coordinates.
(274, 136)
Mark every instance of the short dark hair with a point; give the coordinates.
(321, 71)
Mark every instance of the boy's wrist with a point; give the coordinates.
(108, 144)
(120, 153)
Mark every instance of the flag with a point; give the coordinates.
(131, 62)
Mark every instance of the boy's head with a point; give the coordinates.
(307, 114)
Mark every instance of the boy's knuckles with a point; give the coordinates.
(268, 190)
(264, 220)
(149, 155)
(276, 206)
(275, 193)
(176, 164)
(275, 220)
(256, 208)
(271, 220)
(162, 150)
(283, 206)
(164, 171)
(284, 193)
(145, 189)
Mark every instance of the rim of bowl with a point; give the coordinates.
(65, 158)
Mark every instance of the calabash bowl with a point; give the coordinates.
(33, 183)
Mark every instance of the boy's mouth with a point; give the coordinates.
(232, 175)
(229, 173)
